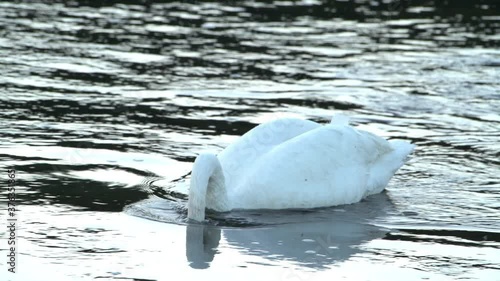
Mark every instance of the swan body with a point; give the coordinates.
(293, 163)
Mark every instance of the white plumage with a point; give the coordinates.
(294, 163)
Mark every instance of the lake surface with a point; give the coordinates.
(103, 108)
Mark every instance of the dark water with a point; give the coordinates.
(104, 103)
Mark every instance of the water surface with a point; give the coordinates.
(104, 106)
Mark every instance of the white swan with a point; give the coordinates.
(293, 163)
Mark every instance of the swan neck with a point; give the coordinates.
(207, 188)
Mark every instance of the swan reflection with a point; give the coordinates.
(201, 244)
(316, 244)
(311, 239)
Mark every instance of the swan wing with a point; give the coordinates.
(241, 155)
(326, 166)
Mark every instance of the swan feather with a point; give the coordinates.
(294, 163)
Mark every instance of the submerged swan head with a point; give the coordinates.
(207, 188)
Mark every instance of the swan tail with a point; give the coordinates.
(388, 164)
(401, 150)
